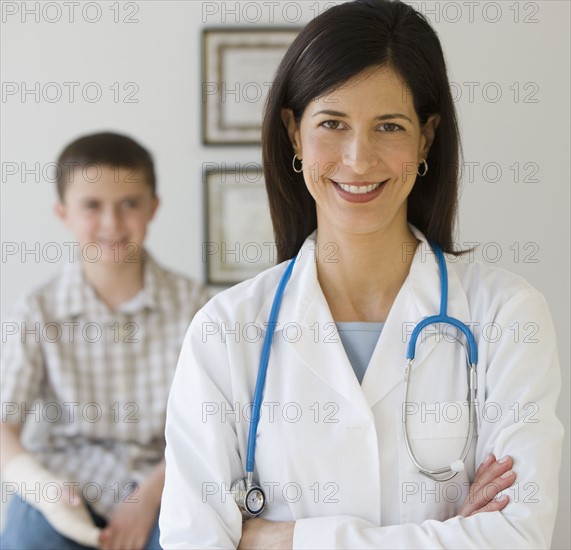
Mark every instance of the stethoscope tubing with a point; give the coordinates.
(442, 317)
(263, 368)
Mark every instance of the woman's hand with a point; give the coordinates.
(261, 534)
(492, 477)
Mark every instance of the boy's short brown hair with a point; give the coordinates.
(104, 149)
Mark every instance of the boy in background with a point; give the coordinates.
(91, 365)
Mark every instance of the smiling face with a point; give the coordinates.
(361, 146)
(110, 208)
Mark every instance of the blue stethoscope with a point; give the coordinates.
(251, 498)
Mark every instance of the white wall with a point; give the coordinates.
(525, 50)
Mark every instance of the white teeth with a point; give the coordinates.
(359, 189)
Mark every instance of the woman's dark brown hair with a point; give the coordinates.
(334, 47)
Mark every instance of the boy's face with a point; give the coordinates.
(108, 209)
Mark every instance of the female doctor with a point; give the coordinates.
(361, 159)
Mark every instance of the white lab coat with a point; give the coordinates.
(330, 453)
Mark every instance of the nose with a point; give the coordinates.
(360, 153)
(111, 219)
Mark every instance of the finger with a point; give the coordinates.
(120, 542)
(111, 541)
(137, 542)
(488, 461)
(130, 541)
(495, 505)
(494, 470)
(70, 497)
(104, 538)
(481, 492)
(502, 465)
(483, 495)
(124, 543)
(491, 490)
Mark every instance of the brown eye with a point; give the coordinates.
(331, 124)
(390, 127)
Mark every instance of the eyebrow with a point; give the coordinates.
(127, 198)
(380, 117)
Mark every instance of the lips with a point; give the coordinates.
(359, 189)
(111, 242)
(359, 192)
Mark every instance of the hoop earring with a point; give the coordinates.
(425, 168)
(300, 165)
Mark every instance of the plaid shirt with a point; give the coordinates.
(90, 384)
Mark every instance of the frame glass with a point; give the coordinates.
(238, 70)
(238, 238)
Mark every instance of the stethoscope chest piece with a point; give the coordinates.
(249, 497)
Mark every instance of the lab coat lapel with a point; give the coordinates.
(321, 349)
(319, 346)
(386, 367)
(418, 298)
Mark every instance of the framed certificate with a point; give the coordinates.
(237, 73)
(238, 238)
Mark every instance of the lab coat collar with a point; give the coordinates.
(306, 324)
(418, 298)
(317, 342)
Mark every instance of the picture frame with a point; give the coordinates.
(238, 235)
(238, 67)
